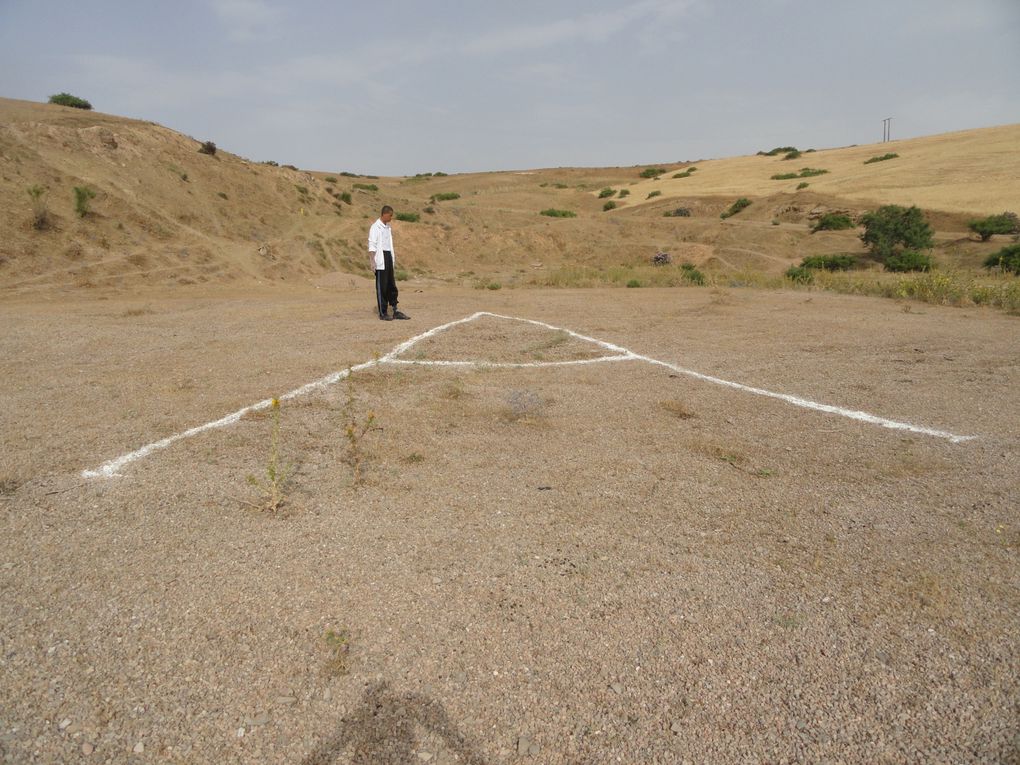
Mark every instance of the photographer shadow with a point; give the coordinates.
(383, 730)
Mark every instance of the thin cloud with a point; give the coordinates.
(247, 20)
(588, 28)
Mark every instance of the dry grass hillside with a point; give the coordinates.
(164, 214)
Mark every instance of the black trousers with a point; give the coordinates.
(386, 284)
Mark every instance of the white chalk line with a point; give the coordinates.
(112, 468)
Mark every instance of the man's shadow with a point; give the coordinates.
(382, 730)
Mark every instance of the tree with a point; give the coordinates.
(892, 229)
(1005, 223)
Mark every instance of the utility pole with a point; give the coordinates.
(887, 129)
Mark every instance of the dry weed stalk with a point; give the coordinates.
(273, 497)
(355, 432)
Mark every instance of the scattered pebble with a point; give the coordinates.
(292, 699)
(240, 732)
(139, 747)
(425, 756)
(617, 687)
(676, 727)
(87, 749)
(64, 723)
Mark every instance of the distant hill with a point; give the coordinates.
(165, 214)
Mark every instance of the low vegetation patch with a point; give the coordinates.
(366, 186)
(653, 172)
(908, 260)
(805, 172)
(833, 222)
(1004, 223)
(795, 154)
(1007, 259)
(446, 196)
(606, 192)
(691, 274)
(66, 99)
(800, 274)
(624, 193)
(654, 194)
(777, 151)
(686, 173)
(803, 185)
(83, 196)
(40, 210)
(829, 262)
(207, 147)
(892, 231)
(554, 213)
(736, 207)
(408, 217)
(331, 179)
(882, 158)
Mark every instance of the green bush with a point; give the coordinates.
(330, 179)
(445, 196)
(82, 196)
(610, 205)
(606, 192)
(346, 197)
(795, 154)
(736, 207)
(680, 212)
(800, 274)
(908, 260)
(883, 158)
(554, 213)
(892, 229)
(829, 262)
(493, 286)
(633, 283)
(686, 173)
(785, 176)
(808, 172)
(366, 186)
(66, 99)
(802, 185)
(777, 150)
(407, 217)
(302, 190)
(833, 222)
(653, 172)
(1007, 259)
(1005, 223)
(624, 193)
(692, 274)
(654, 194)
(207, 147)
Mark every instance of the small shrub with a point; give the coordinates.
(290, 167)
(302, 190)
(610, 205)
(802, 185)
(654, 194)
(680, 212)
(271, 163)
(883, 158)
(554, 213)
(66, 99)
(493, 286)
(692, 274)
(829, 262)
(400, 275)
(346, 197)
(606, 192)
(785, 176)
(808, 172)
(330, 179)
(800, 275)
(986, 228)
(366, 186)
(408, 217)
(446, 196)
(795, 154)
(40, 211)
(82, 196)
(624, 193)
(1007, 259)
(276, 474)
(207, 147)
(633, 283)
(833, 222)
(908, 260)
(777, 150)
(221, 194)
(653, 172)
(736, 207)
(429, 209)
(346, 174)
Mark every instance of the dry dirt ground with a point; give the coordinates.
(589, 563)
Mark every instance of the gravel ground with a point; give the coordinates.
(606, 562)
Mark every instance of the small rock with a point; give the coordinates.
(676, 727)
(523, 745)
(826, 599)
(436, 580)
(289, 699)
(87, 749)
(64, 723)
(425, 756)
(240, 732)
(617, 687)
(139, 747)
(262, 719)
(327, 695)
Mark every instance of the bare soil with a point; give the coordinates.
(601, 562)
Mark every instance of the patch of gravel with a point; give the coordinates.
(596, 579)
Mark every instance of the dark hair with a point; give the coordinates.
(386, 209)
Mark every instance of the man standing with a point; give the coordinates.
(380, 253)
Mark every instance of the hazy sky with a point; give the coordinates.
(394, 88)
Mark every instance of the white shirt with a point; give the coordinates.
(380, 237)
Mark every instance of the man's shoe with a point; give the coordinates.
(385, 317)
(400, 314)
